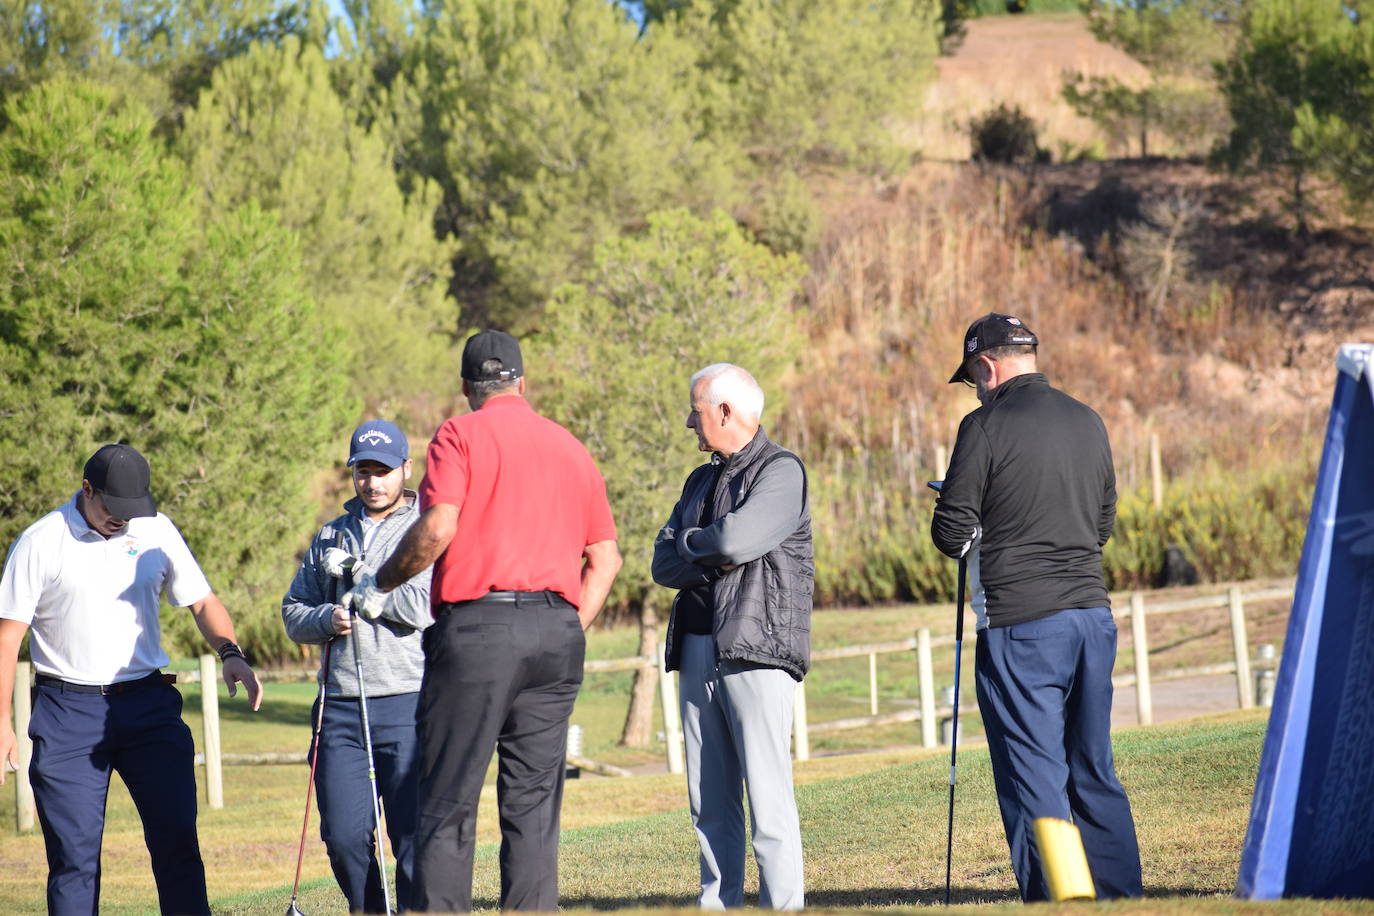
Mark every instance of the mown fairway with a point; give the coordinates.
(873, 824)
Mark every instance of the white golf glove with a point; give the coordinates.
(365, 598)
(337, 562)
(972, 541)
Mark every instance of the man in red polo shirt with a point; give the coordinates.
(516, 523)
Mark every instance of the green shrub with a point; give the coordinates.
(873, 542)
(1005, 135)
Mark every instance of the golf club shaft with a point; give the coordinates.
(371, 763)
(954, 731)
(314, 756)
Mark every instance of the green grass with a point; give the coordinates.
(873, 825)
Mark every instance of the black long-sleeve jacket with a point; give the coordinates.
(1032, 469)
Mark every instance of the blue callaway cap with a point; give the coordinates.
(379, 441)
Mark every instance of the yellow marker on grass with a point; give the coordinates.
(1065, 864)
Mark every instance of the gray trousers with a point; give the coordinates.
(737, 722)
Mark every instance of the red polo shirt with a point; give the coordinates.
(529, 499)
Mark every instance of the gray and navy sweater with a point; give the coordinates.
(393, 659)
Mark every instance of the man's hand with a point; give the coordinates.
(236, 671)
(9, 751)
(365, 597)
(338, 562)
(341, 620)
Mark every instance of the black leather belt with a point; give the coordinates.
(142, 683)
(520, 599)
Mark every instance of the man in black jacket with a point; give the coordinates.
(738, 546)
(1030, 498)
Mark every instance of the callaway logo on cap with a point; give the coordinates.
(374, 437)
(380, 441)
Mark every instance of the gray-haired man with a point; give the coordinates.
(738, 547)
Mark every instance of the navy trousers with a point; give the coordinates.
(1045, 694)
(497, 677)
(78, 739)
(345, 795)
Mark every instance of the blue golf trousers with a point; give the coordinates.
(1045, 694)
(78, 739)
(345, 795)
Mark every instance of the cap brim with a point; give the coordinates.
(961, 375)
(385, 458)
(127, 507)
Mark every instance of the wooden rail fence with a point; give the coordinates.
(930, 714)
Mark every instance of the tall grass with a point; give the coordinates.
(894, 283)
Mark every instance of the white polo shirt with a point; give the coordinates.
(93, 603)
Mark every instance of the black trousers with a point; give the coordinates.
(503, 676)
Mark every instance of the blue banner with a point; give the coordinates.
(1311, 831)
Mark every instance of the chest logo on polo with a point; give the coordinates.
(132, 548)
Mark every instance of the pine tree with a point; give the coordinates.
(126, 316)
(1178, 42)
(551, 124)
(1282, 64)
(271, 129)
(1336, 132)
(613, 363)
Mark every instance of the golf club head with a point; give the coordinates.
(293, 910)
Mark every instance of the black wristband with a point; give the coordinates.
(230, 649)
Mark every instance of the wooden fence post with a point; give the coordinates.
(926, 685)
(873, 683)
(23, 789)
(1156, 472)
(672, 722)
(209, 711)
(1143, 706)
(801, 735)
(1244, 686)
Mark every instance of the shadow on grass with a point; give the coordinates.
(820, 899)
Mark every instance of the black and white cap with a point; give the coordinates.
(988, 333)
(492, 345)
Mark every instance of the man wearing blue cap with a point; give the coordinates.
(360, 540)
(85, 583)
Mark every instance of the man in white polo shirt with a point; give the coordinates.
(86, 580)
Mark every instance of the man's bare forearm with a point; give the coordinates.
(11, 635)
(213, 621)
(598, 575)
(424, 543)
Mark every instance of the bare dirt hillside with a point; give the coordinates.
(1017, 60)
(1259, 309)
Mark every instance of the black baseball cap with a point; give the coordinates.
(485, 345)
(989, 332)
(121, 476)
